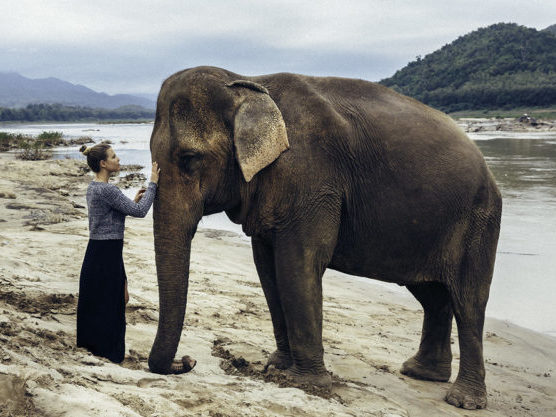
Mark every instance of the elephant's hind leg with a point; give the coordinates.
(263, 255)
(470, 293)
(433, 360)
(469, 390)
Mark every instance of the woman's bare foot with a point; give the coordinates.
(186, 364)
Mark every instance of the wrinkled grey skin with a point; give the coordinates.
(327, 173)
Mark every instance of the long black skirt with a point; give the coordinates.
(101, 307)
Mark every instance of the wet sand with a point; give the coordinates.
(369, 330)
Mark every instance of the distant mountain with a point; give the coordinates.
(18, 91)
(501, 66)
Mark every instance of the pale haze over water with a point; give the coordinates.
(524, 164)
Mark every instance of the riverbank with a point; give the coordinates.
(368, 329)
(524, 123)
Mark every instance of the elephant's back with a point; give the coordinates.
(362, 113)
(373, 137)
(374, 126)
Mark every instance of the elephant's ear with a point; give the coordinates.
(259, 130)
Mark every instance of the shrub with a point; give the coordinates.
(6, 141)
(32, 150)
(51, 139)
(11, 140)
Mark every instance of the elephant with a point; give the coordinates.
(327, 172)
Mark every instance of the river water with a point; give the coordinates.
(524, 286)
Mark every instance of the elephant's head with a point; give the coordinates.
(213, 132)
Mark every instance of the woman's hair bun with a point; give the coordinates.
(84, 149)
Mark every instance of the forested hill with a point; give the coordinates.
(551, 28)
(501, 66)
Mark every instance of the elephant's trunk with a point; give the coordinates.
(172, 241)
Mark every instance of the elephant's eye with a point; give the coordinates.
(189, 161)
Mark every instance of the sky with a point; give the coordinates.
(131, 46)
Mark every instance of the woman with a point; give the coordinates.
(103, 282)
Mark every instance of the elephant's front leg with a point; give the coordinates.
(263, 254)
(299, 269)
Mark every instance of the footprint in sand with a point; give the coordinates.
(494, 338)
(150, 382)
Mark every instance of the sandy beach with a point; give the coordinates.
(369, 330)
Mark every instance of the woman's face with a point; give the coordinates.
(112, 162)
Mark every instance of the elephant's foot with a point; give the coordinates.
(279, 359)
(432, 371)
(321, 379)
(186, 364)
(467, 396)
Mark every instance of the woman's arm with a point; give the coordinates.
(139, 208)
(116, 199)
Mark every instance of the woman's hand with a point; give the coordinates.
(139, 195)
(155, 172)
